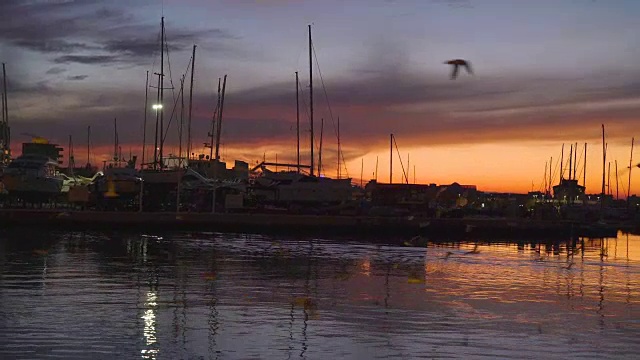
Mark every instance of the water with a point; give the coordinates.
(233, 296)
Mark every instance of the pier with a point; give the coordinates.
(291, 224)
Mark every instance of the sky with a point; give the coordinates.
(545, 73)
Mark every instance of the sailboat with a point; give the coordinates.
(119, 178)
(291, 188)
(160, 173)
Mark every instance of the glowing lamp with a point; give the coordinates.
(156, 106)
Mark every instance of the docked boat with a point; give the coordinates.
(33, 177)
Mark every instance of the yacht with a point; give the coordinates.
(33, 176)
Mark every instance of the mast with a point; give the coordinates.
(376, 174)
(390, 158)
(407, 176)
(575, 162)
(144, 126)
(414, 174)
(630, 167)
(320, 149)
(158, 110)
(546, 186)
(6, 133)
(181, 124)
(311, 95)
(549, 190)
(562, 164)
(161, 98)
(339, 170)
(584, 175)
(570, 161)
(604, 163)
(219, 127)
(298, 121)
(617, 181)
(193, 64)
(609, 178)
(213, 123)
(115, 141)
(88, 145)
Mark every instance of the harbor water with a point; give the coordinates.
(96, 295)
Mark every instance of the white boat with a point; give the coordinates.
(34, 176)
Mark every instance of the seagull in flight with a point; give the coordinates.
(456, 65)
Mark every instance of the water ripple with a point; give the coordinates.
(213, 295)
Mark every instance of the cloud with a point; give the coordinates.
(89, 34)
(77, 77)
(86, 59)
(55, 70)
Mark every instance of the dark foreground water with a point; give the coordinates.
(204, 295)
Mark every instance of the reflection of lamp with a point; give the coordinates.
(149, 318)
(111, 189)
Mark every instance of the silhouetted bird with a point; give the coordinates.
(456, 65)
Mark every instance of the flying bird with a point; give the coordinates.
(456, 65)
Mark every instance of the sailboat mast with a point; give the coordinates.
(219, 127)
(584, 171)
(214, 120)
(181, 123)
(546, 186)
(570, 161)
(609, 178)
(144, 125)
(376, 175)
(617, 181)
(161, 94)
(562, 164)
(549, 190)
(116, 158)
(575, 161)
(339, 170)
(298, 120)
(88, 145)
(320, 149)
(311, 95)
(193, 68)
(604, 163)
(158, 110)
(6, 135)
(630, 167)
(390, 158)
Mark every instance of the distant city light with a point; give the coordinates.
(157, 106)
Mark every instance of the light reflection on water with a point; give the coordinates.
(207, 295)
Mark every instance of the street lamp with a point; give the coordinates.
(156, 106)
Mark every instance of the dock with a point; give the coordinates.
(64, 219)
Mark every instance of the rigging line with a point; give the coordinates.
(324, 88)
(166, 45)
(175, 104)
(400, 157)
(578, 163)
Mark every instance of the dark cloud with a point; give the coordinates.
(91, 34)
(55, 70)
(77, 77)
(86, 59)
